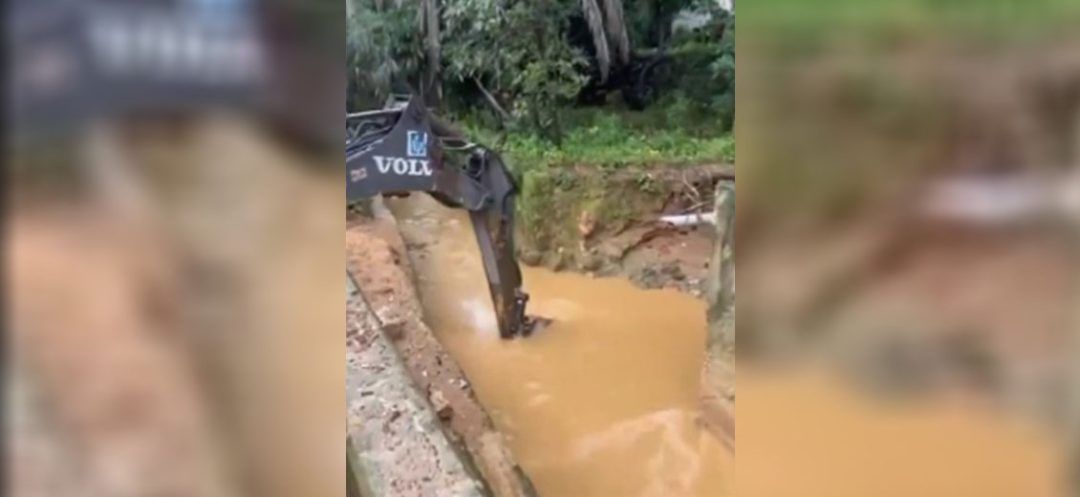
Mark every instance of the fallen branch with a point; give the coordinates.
(503, 115)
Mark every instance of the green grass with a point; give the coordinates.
(614, 147)
(608, 138)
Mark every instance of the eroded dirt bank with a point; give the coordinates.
(607, 223)
(605, 401)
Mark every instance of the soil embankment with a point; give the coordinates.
(376, 258)
(607, 223)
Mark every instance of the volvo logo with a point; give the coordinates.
(403, 167)
(417, 144)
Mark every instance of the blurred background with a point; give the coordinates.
(174, 247)
(907, 248)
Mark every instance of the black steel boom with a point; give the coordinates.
(402, 149)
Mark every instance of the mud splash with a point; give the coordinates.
(601, 403)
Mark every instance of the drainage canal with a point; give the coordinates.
(604, 401)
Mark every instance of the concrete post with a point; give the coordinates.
(718, 374)
(1072, 414)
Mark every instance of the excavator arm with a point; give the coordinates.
(402, 148)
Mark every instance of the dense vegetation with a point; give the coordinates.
(523, 74)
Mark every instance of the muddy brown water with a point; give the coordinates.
(810, 435)
(602, 402)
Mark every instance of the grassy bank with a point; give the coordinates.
(612, 169)
(666, 135)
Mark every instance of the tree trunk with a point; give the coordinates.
(502, 114)
(432, 89)
(615, 23)
(595, 17)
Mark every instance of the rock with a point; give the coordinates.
(441, 405)
(530, 257)
(591, 261)
(394, 330)
(362, 207)
(559, 261)
(586, 224)
(648, 277)
(667, 275)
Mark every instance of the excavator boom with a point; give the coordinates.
(402, 149)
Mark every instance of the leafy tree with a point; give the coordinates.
(514, 56)
(383, 49)
(705, 58)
